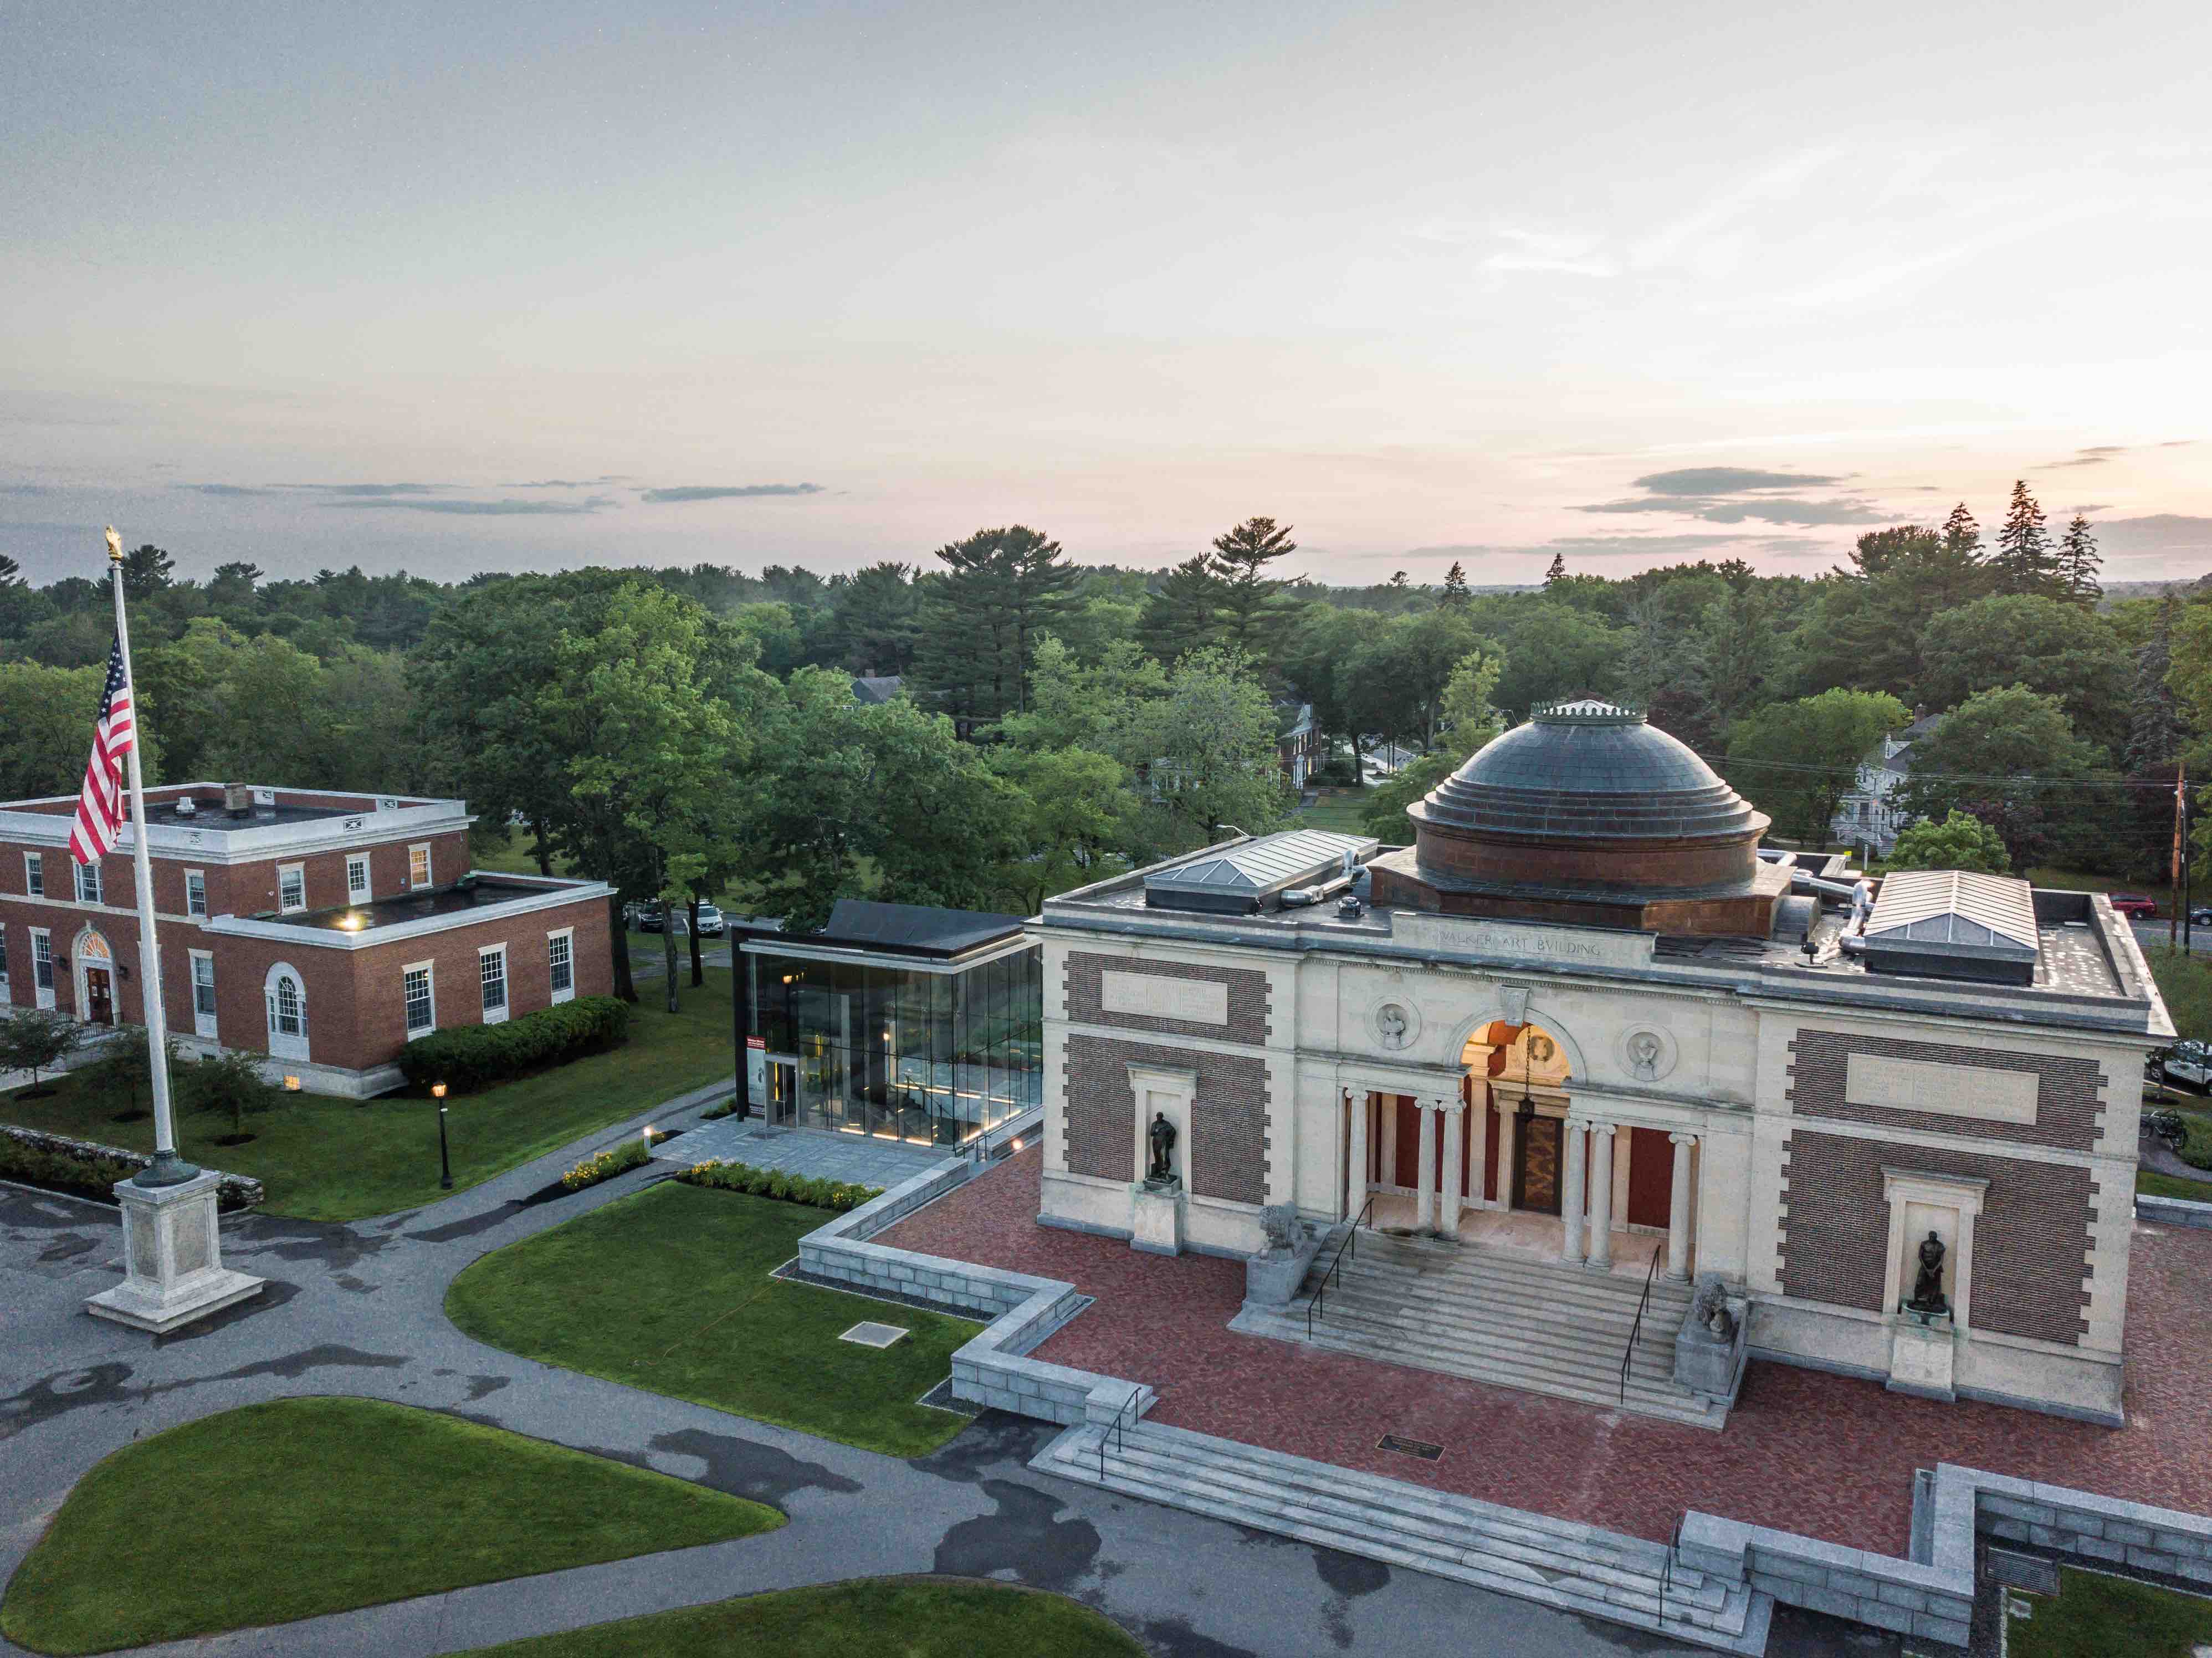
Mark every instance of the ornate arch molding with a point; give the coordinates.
(1517, 1005)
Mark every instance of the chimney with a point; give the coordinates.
(237, 800)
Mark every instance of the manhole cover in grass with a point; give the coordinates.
(869, 1335)
(1404, 1447)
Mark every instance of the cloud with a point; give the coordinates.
(221, 490)
(1767, 509)
(2161, 535)
(2094, 506)
(372, 488)
(1539, 249)
(1726, 481)
(483, 508)
(2177, 443)
(26, 490)
(2085, 458)
(727, 492)
(1679, 545)
(2104, 449)
(570, 483)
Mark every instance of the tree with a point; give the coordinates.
(146, 571)
(877, 620)
(2008, 756)
(1212, 740)
(1070, 807)
(35, 1040)
(229, 1082)
(1962, 536)
(47, 731)
(2043, 643)
(1185, 614)
(2154, 725)
(1001, 592)
(1552, 650)
(1557, 570)
(1469, 722)
(2078, 562)
(1961, 840)
(1456, 592)
(2025, 561)
(1099, 706)
(1248, 598)
(1877, 551)
(1727, 666)
(1797, 759)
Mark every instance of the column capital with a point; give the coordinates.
(1683, 1139)
(1594, 1126)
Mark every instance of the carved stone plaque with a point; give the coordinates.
(1150, 995)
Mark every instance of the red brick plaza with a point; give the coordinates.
(1804, 1451)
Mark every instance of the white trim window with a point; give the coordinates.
(418, 865)
(203, 1023)
(491, 975)
(87, 881)
(561, 963)
(4, 964)
(42, 967)
(34, 874)
(196, 892)
(291, 888)
(285, 995)
(418, 993)
(357, 890)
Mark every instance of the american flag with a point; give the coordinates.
(100, 804)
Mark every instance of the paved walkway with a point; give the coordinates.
(358, 1310)
(816, 1153)
(1803, 1451)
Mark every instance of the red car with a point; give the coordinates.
(2134, 905)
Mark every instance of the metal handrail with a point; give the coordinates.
(1667, 1572)
(1642, 1302)
(1113, 1430)
(1315, 1300)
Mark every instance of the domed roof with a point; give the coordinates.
(1587, 770)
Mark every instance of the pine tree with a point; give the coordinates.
(2155, 734)
(2025, 561)
(1962, 536)
(1185, 614)
(1558, 573)
(1250, 598)
(2078, 562)
(1456, 590)
(1005, 589)
(11, 572)
(146, 571)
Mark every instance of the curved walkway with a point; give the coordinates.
(358, 1310)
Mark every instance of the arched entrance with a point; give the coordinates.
(96, 978)
(1516, 1085)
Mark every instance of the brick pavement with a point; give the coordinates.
(1805, 1451)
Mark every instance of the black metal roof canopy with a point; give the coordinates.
(1242, 878)
(915, 929)
(1955, 924)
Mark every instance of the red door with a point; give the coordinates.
(1650, 1177)
(1407, 1173)
(99, 997)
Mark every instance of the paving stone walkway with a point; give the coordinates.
(1804, 1451)
(815, 1153)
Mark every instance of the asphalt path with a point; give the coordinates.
(358, 1310)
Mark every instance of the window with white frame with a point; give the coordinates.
(285, 1004)
(285, 993)
(418, 865)
(491, 970)
(357, 878)
(42, 966)
(421, 1000)
(560, 962)
(34, 874)
(87, 881)
(203, 1023)
(195, 892)
(3, 961)
(291, 886)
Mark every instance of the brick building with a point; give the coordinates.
(326, 930)
(1581, 1036)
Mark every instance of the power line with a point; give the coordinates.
(2005, 779)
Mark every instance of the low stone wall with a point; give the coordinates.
(2096, 1528)
(236, 1192)
(994, 1369)
(2174, 1211)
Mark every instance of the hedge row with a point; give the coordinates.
(785, 1188)
(605, 1165)
(468, 1057)
(92, 1171)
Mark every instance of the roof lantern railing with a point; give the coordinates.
(1586, 711)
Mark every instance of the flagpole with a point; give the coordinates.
(166, 1168)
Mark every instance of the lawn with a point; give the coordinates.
(2151, 1184)
(301, 1506)
(2094, 1616)
(1342, 813)
(322, 1159)
(896, 1617)
(668, 1290)
(2186, 981)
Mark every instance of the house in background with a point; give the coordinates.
(1870, 815)
(875, 690)
(1299, 746)
(324, 929)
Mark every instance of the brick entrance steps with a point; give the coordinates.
(1495, 1316)
(1559, 1563)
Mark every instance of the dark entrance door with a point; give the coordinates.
(99, 996)
(1536, 1165)
(781, 1104)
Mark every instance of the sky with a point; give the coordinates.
(454, 288)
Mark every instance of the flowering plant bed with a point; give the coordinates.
(816, 1192)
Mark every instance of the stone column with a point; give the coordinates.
(1425, 1201)
(1478, 1162)
(1571, 1194)
(1509, 1134)
(1386, 1136)
(1677, 1211)
(1600, 1197)
(1356, 1164)
(1454, 1129)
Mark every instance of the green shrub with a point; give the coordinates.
(813, 1193)
(469, 1057)
(92, 1172)
(605, 1165)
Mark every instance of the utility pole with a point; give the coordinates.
(2180, 795)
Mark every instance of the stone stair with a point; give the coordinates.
(1563, 1563)
(1500, 1316)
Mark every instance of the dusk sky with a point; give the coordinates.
(462, 288)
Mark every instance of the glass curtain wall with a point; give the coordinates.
(929, 1058)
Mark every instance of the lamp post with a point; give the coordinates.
(445, 1160)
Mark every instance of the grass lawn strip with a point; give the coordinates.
(668, 1290)
(301, 1506)
(2151, 1184)
(2094, 1616)
(322, 1159)
(898, 1617)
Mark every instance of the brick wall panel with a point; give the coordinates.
(2067, 1103)
(1247, 996)
(1225, 1153)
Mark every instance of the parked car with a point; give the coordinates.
(653, 917)
(711, 922)
(2201, 915)
(2188, 1063)
(2135, 906)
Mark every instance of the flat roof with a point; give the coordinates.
(864, 927)
(471, 892)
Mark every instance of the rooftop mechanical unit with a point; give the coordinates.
(1252, 876)
(1955, 924)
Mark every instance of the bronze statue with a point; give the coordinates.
(1162, 1137)
(1928, 1287)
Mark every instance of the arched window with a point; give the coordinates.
(288, 1005)
(285, 993)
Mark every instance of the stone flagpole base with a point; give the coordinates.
(173, 1258)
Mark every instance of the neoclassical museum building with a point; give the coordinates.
(1583, 1044)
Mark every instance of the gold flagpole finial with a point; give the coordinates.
(114, 545)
